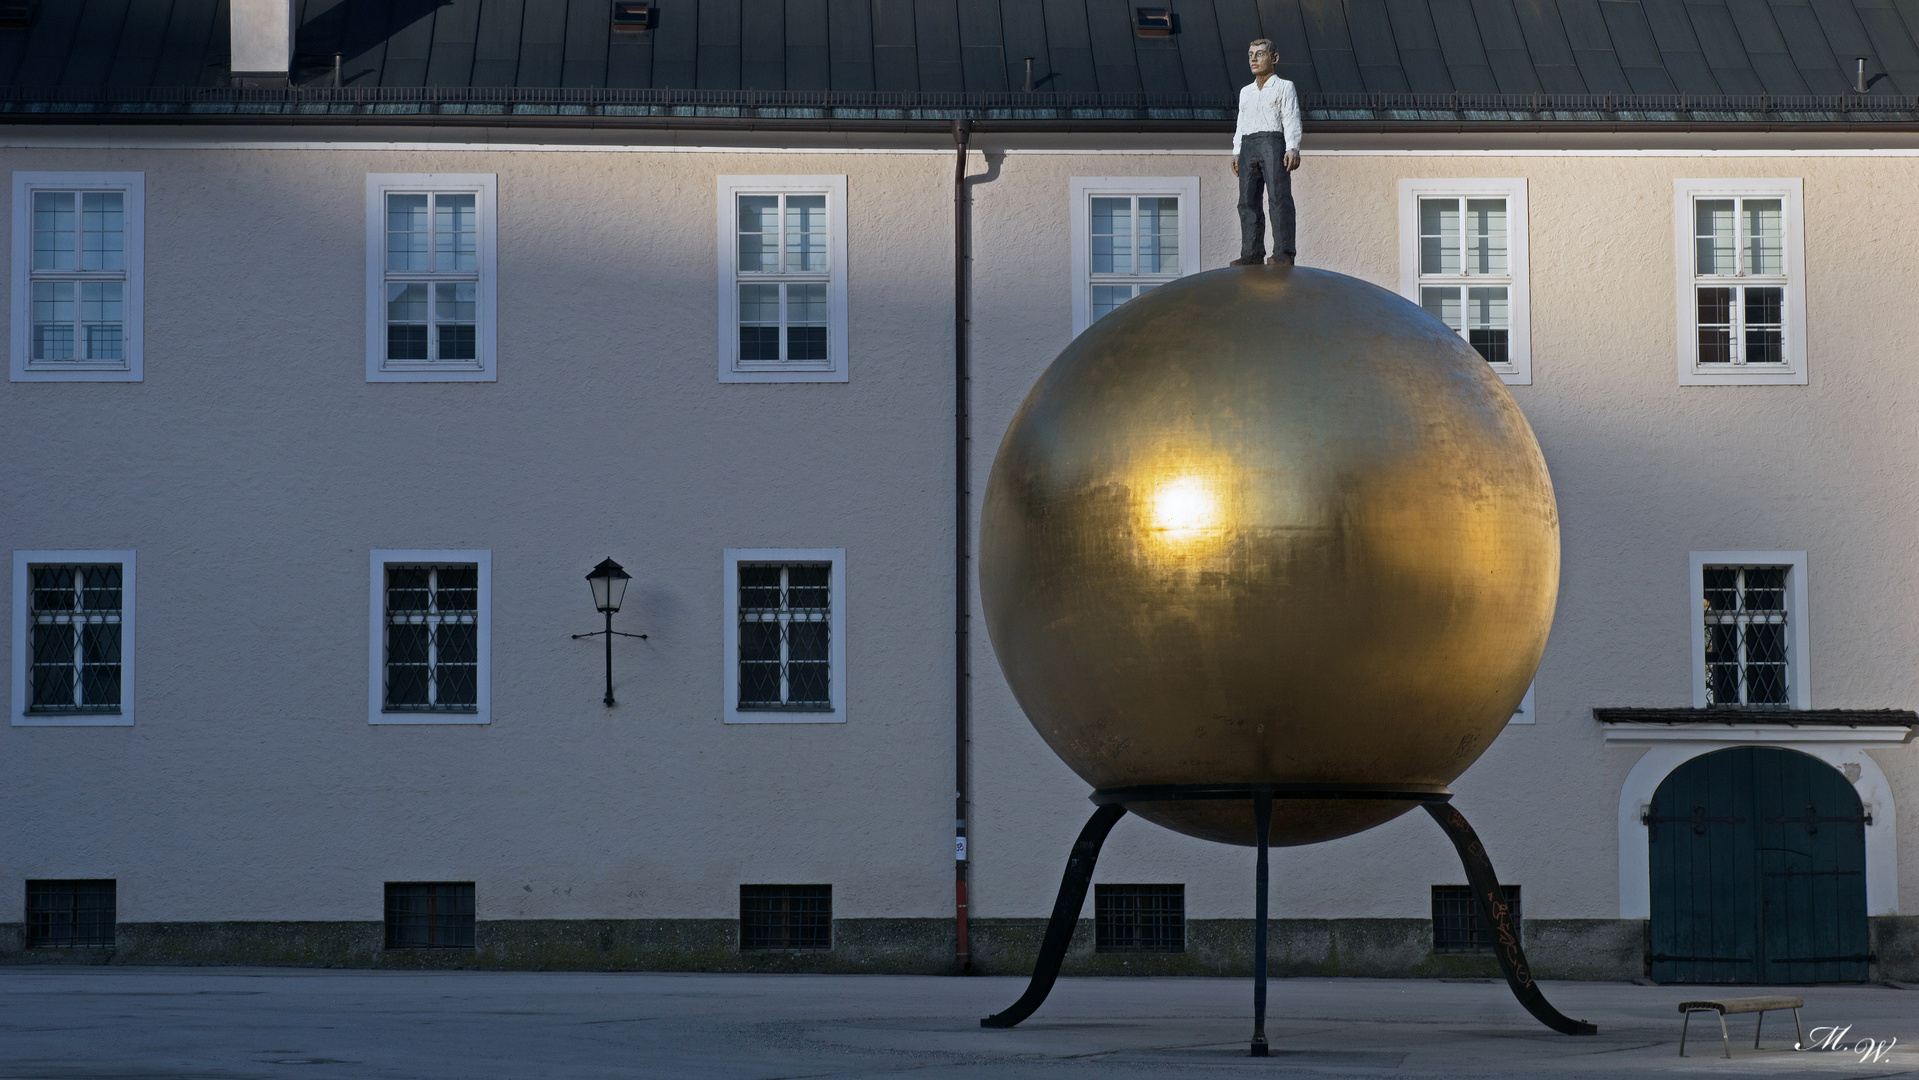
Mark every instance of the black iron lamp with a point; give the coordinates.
(608, 581)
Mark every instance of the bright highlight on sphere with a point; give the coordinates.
(1185, 505)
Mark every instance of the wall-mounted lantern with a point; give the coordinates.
(608, 581)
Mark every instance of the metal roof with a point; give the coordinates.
(789, 61)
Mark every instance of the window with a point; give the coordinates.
(78, 253)
(68, 914)
(431, 637)
(1528, 711)
(1139, 918)
(1130, 234)
(430, 277)
(1458, 926)
(785, 635)
(72, 638)
(1742, 271)
(1749, 629)
(429, 915)
(1463, 257)
(786, 917)
(782, 279)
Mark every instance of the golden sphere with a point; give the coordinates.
(1269, 525)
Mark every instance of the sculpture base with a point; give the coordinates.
(1113, 803)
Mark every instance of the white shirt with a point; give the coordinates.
(1273, 107)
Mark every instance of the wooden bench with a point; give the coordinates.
(1760, 1005)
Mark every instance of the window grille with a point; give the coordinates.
(75, 615)
(1139, 918)
(432, 278)
(429, 915)
(79, 278)
(785, 625)
(783, 271)
(1739, 268)
(1457, 925)
(432, 638)
(1465, 270)
(786, 917)
(66, 914)
(1746, 627)
(1133, 247)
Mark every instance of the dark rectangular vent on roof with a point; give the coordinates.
(1153, 22)
(634, 16)
(15, 16)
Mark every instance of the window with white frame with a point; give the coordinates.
(785, 647)
(431, 637)
(1749, 645)
(78, 253)
(1741, 281)
(1463, 258)
(73, 638)
(430, 277)
(782, 279)
(1130, 235)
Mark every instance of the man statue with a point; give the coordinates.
(1265, 153)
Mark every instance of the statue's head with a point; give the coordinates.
(1259, 57)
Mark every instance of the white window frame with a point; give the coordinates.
(484, 368)
(1798, 645)
(23, 649)
(730, 189)
(376, 636)
(1518, 371)
(133, 186)
(730, 634)
(1791, 192)
(1185, 188)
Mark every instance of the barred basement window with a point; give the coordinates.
(1746, 628)
(1140, 918)
(429, 915)
(75, 615)
(785, 628)
(432, 638)
(1457, 925)
(66, 914)
(786, 917)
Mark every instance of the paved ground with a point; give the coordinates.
(228, 1023)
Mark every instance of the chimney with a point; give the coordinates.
(262, 42)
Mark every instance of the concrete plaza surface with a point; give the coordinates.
(69, 1023)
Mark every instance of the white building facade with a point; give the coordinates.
(317, 421)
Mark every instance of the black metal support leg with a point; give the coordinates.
(1262, 827)
(1059, 932)
(1493, 908)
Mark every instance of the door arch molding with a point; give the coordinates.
(1841, 747)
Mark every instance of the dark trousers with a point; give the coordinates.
(1262, 165)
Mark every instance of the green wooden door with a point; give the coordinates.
(1758, 871)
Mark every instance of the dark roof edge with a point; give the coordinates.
(841, 111)
(1905, 718)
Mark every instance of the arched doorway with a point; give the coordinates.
(1758, 860)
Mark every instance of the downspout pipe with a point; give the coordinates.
(962, 547)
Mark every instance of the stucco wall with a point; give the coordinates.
(254, 467)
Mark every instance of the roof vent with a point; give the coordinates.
(262, 41)
(1153, 22)
(16, 16)
(634, 16)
